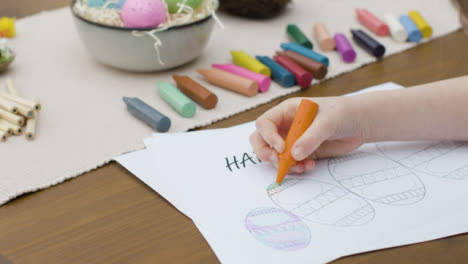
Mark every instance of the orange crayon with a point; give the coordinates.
(304, 117)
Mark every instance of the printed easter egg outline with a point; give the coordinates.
(364, 208)
(442, 151)
(407, 197)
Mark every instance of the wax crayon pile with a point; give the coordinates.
(297, 64)
(143, 13)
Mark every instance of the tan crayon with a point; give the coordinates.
(31, 129)
(12, 118)
(3, 136)
(194, 90)
(29, 103)
(230, 81)
(8, 105)
(318, 70)
(323, 37)
(17, 130)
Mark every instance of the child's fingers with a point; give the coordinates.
(269, 123)
(300, 167)
(269, 132)
(320, 130)
(261, 148)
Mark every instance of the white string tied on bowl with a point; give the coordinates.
(157, 44)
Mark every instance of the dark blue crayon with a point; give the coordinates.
(414, 34)
(368, 43)
(305, 52)
(147, 114)
(278, 73)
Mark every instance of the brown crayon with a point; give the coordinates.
(230, 81)
(194, 90)
(319, 70)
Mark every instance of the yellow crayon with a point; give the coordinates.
(7, 27)
(244, 60)
(421, 23)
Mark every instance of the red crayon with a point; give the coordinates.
(303, 77)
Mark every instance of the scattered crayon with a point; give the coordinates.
(306, 52)
(372, 22)
(195, 91)
(414, 34)
(397, 31)
(421, 23)
(147, 114)
(230, 81)
(323, 37)
(176, 99)
(296, 34)
(368, 43)
(263, 81)
(240, 58)
(304, 117)
(318, 70)
(344, 48)
(303, 77)
(278, 73)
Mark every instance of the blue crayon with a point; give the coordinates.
(414, 34)
(305, 52)
(147, 114)
(278, 73)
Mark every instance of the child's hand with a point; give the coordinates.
(336, 130)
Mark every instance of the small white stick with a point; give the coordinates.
(3, 136)
(25, 111)
(31, 129)
(12, 87)
(17, 130)
(8, 105)
(29, 103)
(12, 118)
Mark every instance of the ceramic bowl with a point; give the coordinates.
(131, 49)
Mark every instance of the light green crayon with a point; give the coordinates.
(175, 98)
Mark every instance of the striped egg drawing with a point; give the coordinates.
(320, 202)
(278, 229)
(377, 178)
(442, 159)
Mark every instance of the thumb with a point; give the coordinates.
(319, 131)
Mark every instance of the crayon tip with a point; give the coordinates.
(126, 100)
(283, 169)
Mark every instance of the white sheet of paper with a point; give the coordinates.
(381, 196)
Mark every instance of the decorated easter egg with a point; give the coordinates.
(143, 13)
(443, 159)
(115, 4)
(173, 5)
(320, 202)
(377, 178)
(277, 228)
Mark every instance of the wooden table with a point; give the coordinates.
(108, 215)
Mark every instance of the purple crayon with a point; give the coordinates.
(344, 47)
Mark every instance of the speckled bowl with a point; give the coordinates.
(119, 48)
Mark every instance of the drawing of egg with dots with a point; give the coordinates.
(377, 178)
(277, 228)
(321, 202)
(447, 159)
(114, 4)
(143, 13)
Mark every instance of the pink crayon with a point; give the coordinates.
(372, 22)
(263, 81)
